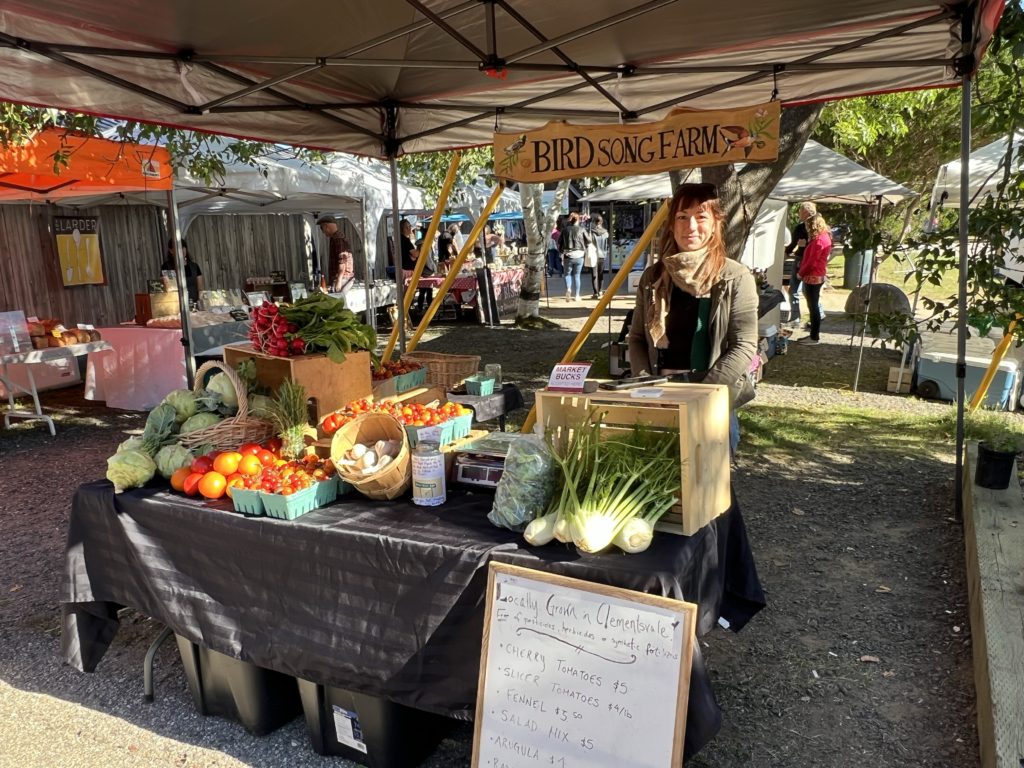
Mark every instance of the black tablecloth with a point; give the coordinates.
(385, 598)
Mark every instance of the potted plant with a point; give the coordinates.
(1000, 438)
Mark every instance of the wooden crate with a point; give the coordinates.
(331, 385)
(701, 414)
(894, 379)
(150, 305)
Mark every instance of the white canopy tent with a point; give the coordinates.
(819, 174)
(986, 168)
(422, 75)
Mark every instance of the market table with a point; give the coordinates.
(145, 364)
(506, 283)
(384, 598)
(26, 362)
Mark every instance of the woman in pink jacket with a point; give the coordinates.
(812, 271)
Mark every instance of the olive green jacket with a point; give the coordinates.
(733, 327)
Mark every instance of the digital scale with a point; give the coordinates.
(481, 462)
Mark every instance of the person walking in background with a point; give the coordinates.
(600, 237)
(554, 257)
(572, 244)
(340, 262)
(812, 272)
(796, 246)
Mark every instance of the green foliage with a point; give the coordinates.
(999, 430)
(427, 170)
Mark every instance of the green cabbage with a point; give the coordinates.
(132, 444)
(171, 458)
(160, 427)
(221, 384)
(199, 421)
(184, 404)
(260, 406)
(130, 469)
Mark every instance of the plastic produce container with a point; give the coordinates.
(369, 730)
(261, 700)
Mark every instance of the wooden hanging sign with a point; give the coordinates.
(685, 138)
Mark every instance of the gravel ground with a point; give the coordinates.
(857, 551)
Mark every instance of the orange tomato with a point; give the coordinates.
(178, 478)
(227, 463)
(235, 481)
(249, 465)
(250, 449)
(266, 458)
(212, 485)
(191, 485)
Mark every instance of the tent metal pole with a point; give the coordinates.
(867, 303)
(961, 302)
(396, 235)
(371, 307)
(174, 223)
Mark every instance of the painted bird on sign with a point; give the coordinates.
(516, 145)
(738, 137)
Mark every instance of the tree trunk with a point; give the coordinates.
(539, 223)
(743, 192)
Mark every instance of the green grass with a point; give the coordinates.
(793, 432)
(894, 270)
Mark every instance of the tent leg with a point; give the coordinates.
(961, 304)
(396, 236)
(174, 223)
(371, 307)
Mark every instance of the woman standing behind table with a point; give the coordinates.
(409, 256)
(696, 310)
(193, 274)
(600, 238)
(812, 272)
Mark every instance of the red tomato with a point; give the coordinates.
(250, 449)
(191, 485)
(330, 424)
(266, 458)
(202, 464)
(274, 444)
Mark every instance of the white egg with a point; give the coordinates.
(358, 450)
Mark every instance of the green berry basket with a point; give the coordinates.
(289, 507)
(330, 489)
(480, 385)
(249, 503)
(442, 434)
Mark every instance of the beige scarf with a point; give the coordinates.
(678, 269)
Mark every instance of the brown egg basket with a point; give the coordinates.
(394, 479)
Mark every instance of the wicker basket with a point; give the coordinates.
(390, 482)
(234, 430)
(445, 371)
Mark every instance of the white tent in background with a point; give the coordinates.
(986, 168)
(819, 174)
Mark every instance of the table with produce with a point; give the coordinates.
(346, 542)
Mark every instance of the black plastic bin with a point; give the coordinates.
(259, 699)
(368, 730)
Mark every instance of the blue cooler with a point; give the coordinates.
(936, 371)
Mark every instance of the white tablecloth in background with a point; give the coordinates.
(144, 365)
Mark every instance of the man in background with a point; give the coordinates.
(340, 263)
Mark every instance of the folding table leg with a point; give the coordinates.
(147, 665)
(37, 414)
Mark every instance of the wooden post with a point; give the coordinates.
(442, 203)
(453, 273)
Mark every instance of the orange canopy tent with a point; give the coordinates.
(94, 166)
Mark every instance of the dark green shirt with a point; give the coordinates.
(688, 335)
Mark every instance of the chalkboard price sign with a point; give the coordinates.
(580, 675)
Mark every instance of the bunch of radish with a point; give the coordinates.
(271, 333)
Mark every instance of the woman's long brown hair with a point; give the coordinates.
(705, 196)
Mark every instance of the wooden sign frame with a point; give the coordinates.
(688, 612)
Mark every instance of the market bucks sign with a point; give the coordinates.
(684, 139)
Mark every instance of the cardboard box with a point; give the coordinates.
(701, 414)
(150, 305)
(328, 384)
(894, 379)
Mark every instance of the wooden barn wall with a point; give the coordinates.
(231, 248)
(132, 238)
